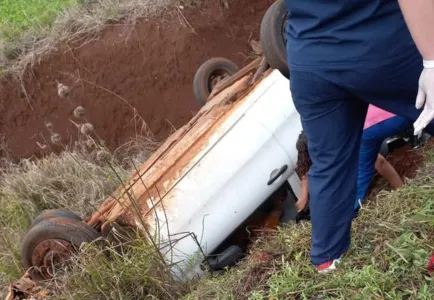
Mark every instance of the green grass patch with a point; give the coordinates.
(392, 241)
(70, 180)
(31, 29)
(135, 272)
(78, 179)
(16, 16)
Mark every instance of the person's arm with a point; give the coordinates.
(419, 16)
(304, 197)
(385, 169)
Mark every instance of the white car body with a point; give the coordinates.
(223, 179)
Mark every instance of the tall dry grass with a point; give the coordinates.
(78, 179)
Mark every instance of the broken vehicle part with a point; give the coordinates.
(50, 243)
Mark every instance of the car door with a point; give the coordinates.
(228, 180)
(275, 111)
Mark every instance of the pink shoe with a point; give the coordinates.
(328, 267)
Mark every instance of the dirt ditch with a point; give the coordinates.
(130, 76)
(148, 67)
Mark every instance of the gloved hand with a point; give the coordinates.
(425, 96)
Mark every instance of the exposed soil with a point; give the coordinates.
(148, 67)
(406, 162)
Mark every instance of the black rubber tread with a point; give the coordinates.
(272, 37)
(54, 213)
(201, 78)
(70, 230)
(384, 148)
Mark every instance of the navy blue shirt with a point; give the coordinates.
(336, 33)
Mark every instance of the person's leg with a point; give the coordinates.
(392, 87)
(333, 122)
(388, 172)
(372, 138)
(366, 167)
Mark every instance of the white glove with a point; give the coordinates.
(425, 96)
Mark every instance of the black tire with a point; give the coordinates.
(70, 232)
(228, 258)
(384, 148)
(272, 37)
(218, 66)
(54, 213)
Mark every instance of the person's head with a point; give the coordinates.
(303, 161)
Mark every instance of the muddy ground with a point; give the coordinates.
(126, 76)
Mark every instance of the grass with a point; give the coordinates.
(31, 29)
(78, 179)
(137, 273)
(17, 16)
(392, 241)
(70, 180)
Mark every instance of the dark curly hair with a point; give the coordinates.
(303, 161)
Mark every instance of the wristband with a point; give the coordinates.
(428, 64)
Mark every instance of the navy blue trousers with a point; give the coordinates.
(372, 138)
(332, 104)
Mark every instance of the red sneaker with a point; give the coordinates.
(430, 267)
(328, 267)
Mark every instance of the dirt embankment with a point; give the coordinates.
(149, 67)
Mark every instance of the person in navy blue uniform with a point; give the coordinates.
(343, 55)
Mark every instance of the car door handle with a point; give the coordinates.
(276, 174)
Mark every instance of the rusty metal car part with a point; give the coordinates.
(143, 185)
(48, 246)
(117, 200)
(50, 255)
(260, 71)
(98, 216)
(234, 78)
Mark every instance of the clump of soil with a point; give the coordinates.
(128, 77)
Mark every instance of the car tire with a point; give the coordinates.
(209, 74)
(50, 240)
(226, 259)
(384, 148)
(54, 213)
(272, 37)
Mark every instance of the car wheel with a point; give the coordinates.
(228, 258)
(384, 148)
(209, 74)
(54, 213)
(272, 37)
(48, 246)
